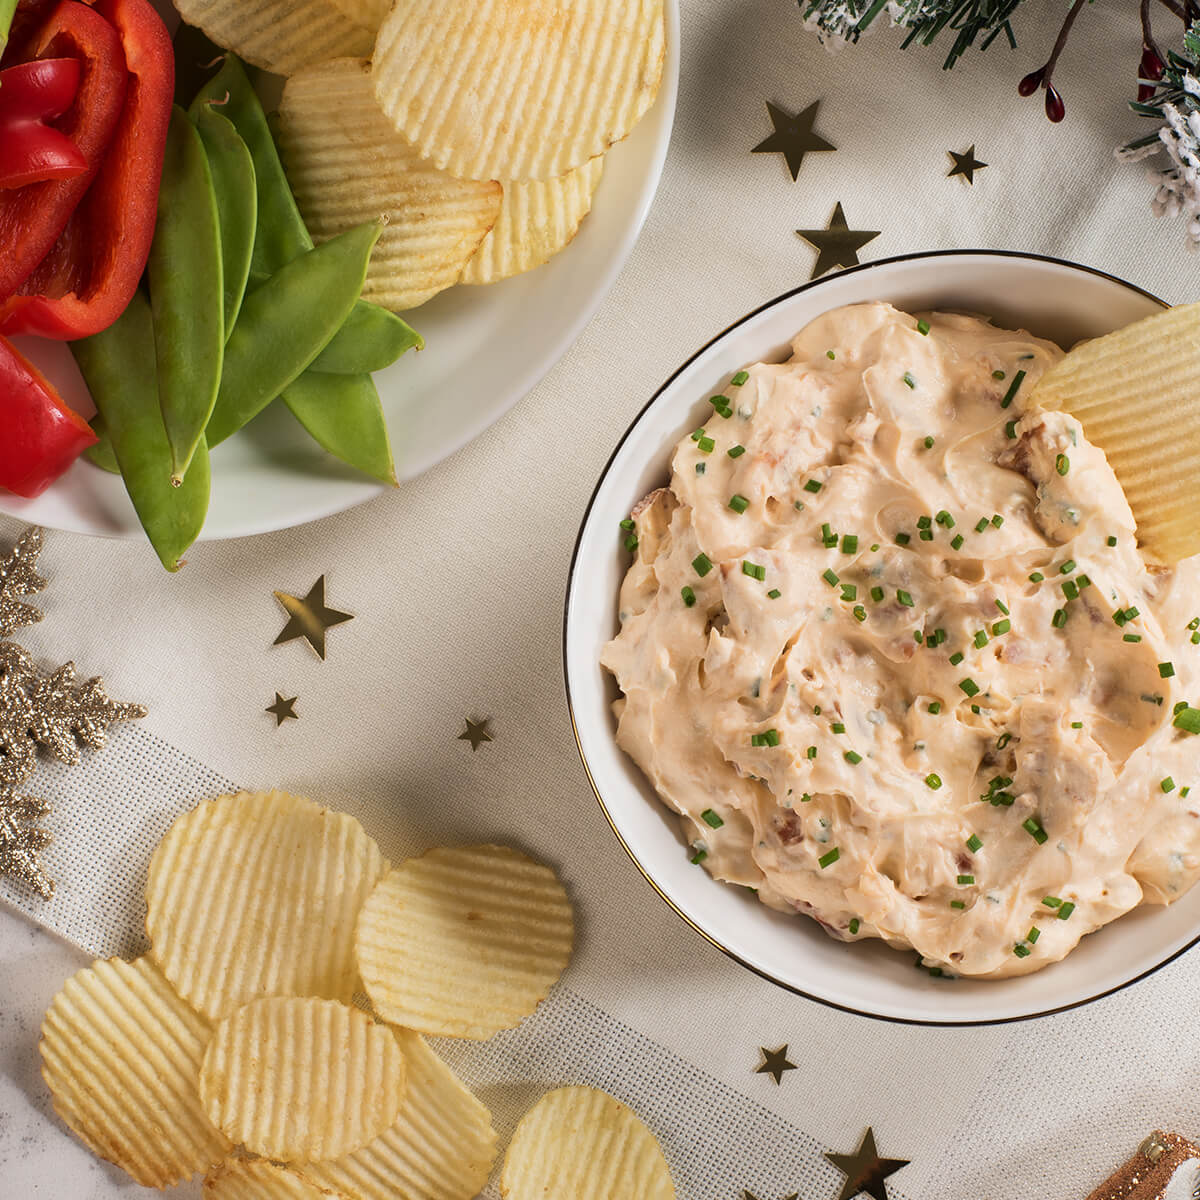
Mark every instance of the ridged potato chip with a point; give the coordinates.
(464, 942)
(364, 12)
(279, 35)
(302, 1079)
(257, 895)
(441, 1147)
(1136, 393)
(347, 165)
(578, 1143)
(537, 219)
(254, 1179)
(517, 89)
(121, 1056)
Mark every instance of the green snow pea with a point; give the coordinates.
(286, 323)
(101, 454)
(119, 368)
(343, 415)
(372, 337)
(186, 292)
(237, 202)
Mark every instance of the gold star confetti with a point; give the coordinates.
(865, 1171)
(283, 710)
(476, 732)
(774, 1063)
(19, 577)
(837, 245)
(309, 617)
(749, 1195)
(793, 136)
(965, 164)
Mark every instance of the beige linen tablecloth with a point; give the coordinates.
(456, 583)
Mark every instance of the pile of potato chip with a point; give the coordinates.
(478, 127)
(235, 1047)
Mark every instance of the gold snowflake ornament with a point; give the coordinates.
(19, 577)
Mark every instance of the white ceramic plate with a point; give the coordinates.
(1054, 299)
(485, 348)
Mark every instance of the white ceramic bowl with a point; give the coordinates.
(1048, 297)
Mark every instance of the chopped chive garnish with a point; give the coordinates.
(702, 564)
(738, 503)
(956, 658)
(926, 535)
(699, 857)
(877, 594)
(1132, 613)
(957, 904)
(689, 597)
(850, 544)
(838, 727)
(849, 591)
(710, 818)
(736, 451)
(1036, 577)
(1067, 567)
(997, 374)
(974, 843)
(1021, 950)
(627, 524)
(1010, 429)
(852, 757)
(981, 639)
(923, 326)
(774, 594)
(918, 636)
(798, 505)
(700, 468)
(1188, 720)
(1066, 910)
(1002, 607)
(769, 738)
(740, 378)
(904, 598)
(830, 355)
(854, 926)
(1062, 464)
(828, 537)
(944, 519)
(981, 524)
(874, 547)
(1166, 670)
(813, 486)
(924, 522)
(1070, 589)
(1013, 388)
(811, 752)
(698, 434)
(957, 541)
(1132, 637)
(830, 577)
(1183, 791)
(1033, 935)
(1082, 581)
(935, 707)
(1059, 619)
(1194, 623)
(706, 445)
(966, 881)
(860, 613)
(969, 686)
(1003, 740)
(933, 780)
(939, 636)
(1076, 724)
(1180, 705)
(1168, 784)
(1196, 639)
(1112, 541)
(1052, 902)
(1001, 627)
(719, 402)
(908, 379)
(1119, 617)
(827, 860)
(902, 539)
(754, 570)
(631, 543)
(928, 442)
(1032, 826)
(997, 521)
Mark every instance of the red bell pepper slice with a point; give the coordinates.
(32, 218)
(42, 436)
(88, 279)
(31, 150)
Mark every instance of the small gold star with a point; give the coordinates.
(865, 1171)
(965, 164)
(837, 245)
(774, 1063)
(476, 732)
(749, 1195)
(308, 618)
(283, 710)
(793, 136)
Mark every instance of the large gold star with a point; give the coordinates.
(774, 1063)
(837, 245)
(476, 732)
(965, 164)
(793, 136)
(865, 1171)
(283, 710)
(309, 617)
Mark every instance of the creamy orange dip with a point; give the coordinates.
(889, 648)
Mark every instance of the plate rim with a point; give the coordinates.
(761, 972)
